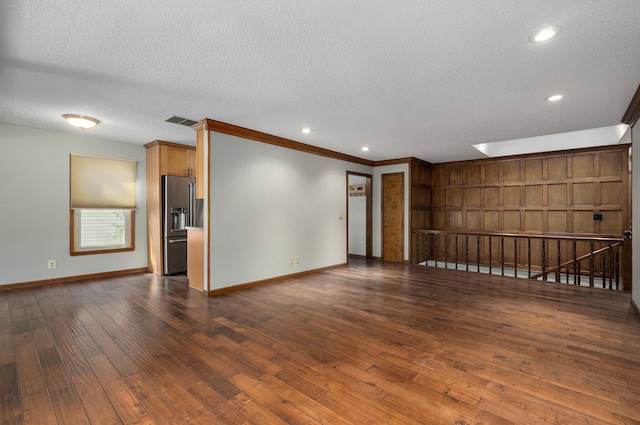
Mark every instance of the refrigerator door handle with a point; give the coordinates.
(176, 240)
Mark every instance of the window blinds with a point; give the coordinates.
(102, 182)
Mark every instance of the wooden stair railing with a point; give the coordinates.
(443, 247)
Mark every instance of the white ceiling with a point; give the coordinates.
(408, 78)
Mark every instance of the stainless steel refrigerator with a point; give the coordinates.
(178, 212)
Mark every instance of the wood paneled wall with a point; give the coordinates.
(541, 193)
(420, 201)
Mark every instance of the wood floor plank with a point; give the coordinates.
(369, 342)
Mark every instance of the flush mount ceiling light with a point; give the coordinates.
(306, 130)
(81, 121)
(554, 98)
(545, 34)
(365, 148)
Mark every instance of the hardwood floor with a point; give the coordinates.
(369, 343)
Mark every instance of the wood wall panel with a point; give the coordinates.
(583, 194)
(556, 221)
(533, 221)
(533, 195)
(557, 168)
(583, 166)
(611, 193)
(473, 197)
(511, 221)
(491, 196)
(533, 169)
(511, 171)
(542, 193)
(557, 194)
(511, 196)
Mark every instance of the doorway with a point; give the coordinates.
(393, 217)
(359, 216)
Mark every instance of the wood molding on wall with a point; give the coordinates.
(116, 273)
(228, 289)
(245, 133)
(632, 114)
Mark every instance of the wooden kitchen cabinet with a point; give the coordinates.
(163, 158)
(177, 160)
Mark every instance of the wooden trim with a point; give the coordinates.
(551, 154)
(171, 144)
(632, 114)
(103, 275)
(72, 245)
(409, 160)
(258, 136)
(392, 162)
(228, 289)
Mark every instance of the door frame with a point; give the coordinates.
(369, 213)
(382, 177)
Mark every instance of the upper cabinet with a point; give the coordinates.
(176, 160)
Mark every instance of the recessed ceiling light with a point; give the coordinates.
(545, 34)
(365, 148)
(306, 130)
(81, 121)
(554, 97)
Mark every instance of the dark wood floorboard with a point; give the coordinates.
(368, 343)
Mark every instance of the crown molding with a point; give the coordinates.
(245, 133)
(632, 114)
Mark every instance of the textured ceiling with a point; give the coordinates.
(413, 78)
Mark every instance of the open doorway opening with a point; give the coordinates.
(359, 216)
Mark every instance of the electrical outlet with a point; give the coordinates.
(51, 264)
(291, 261)
(298, 260)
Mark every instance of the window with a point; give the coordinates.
(102, 205)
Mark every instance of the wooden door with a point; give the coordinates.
(393, 217)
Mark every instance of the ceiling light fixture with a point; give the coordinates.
(554, 98)
(365, 148)
(545, 34)
(306, 130)
(81, 121)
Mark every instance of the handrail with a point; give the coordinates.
(582, 257)
(444, 245)
(554, 236)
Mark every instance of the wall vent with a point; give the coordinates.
(182, 121)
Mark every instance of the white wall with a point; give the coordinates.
(357, 219)
(34, 212)
(635, 199)
(269, 203)
(377, 206)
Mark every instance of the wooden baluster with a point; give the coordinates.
(490, 255)
(610, 268)
(591, 266)
(446, 251)
(559, 262)
(617, 269)
(456, 251)
(529, 258)
(544, 260)
(467, 251)
(604, 271)
(478, 252)
(502, 254)
(575, 265)
(435, 248)
(515, 257)
(579, 273)
(417, 247)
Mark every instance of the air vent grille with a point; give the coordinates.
(182, 121)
